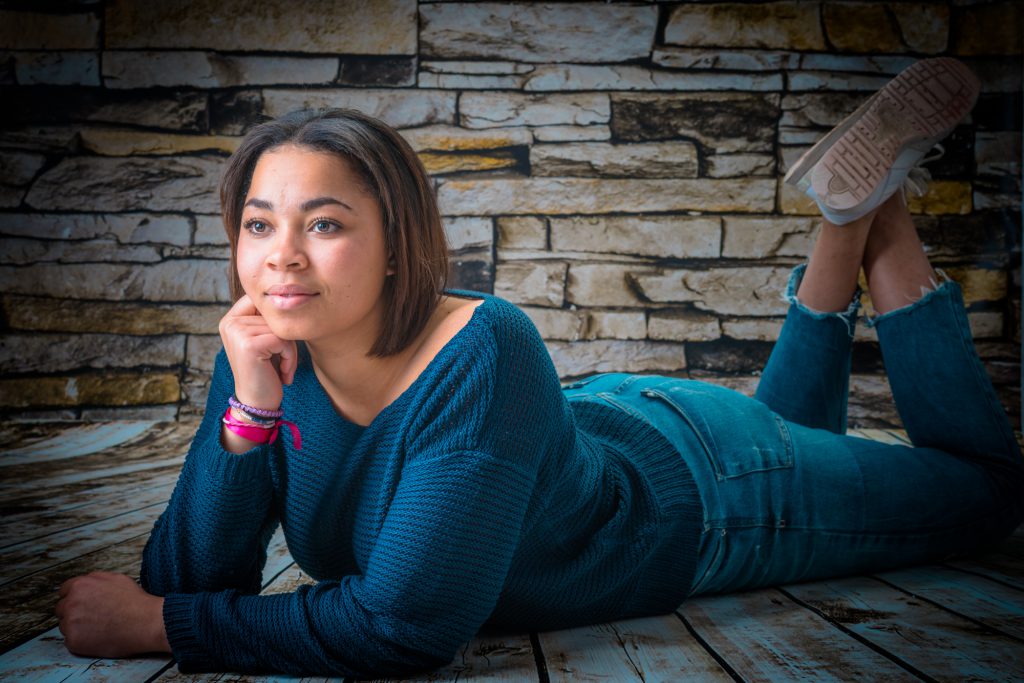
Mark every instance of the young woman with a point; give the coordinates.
(433, 476)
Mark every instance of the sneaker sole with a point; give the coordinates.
(920, 105)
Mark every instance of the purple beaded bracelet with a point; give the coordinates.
(257, 412)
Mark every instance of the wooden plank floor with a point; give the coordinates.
(78, 498)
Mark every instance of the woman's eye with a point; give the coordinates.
(256, 227)
(323, 226)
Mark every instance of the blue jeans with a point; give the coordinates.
(789, 497)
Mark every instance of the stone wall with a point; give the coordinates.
(613, 168)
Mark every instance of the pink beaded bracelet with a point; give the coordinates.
(260, 434)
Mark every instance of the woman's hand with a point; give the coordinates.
(103, 614)
(260, 361)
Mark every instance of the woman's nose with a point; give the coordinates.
(288, 251)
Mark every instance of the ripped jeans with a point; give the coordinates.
(789, 497)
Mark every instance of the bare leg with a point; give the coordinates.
(895, 264)
(831, 277)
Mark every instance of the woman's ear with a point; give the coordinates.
(391, 265)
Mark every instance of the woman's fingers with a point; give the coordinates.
(244, 306)
(289, 361)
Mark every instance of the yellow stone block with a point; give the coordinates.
(107, 390)
(943, 197)
(64, 315)
(35, 392)
(979, 284)
(452, 163)
(990, 29)
(793, 201)
(783, 25)
(455, 139)
(861, 28)
(125, 390)
(126, 143)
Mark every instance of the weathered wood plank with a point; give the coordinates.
(26, 606)
(18, 435)
(643, 650)
(899, 435)
(75, 442)
(31, 502)
(29, 528)
(1009, 570)
(939, 644)
(89, 475)
(45, 659)
(988, 602)
(45, 655)
(163, 440)
(767, 637)
(880, 435)
(26, 558)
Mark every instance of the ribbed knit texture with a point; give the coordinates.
(479, 495)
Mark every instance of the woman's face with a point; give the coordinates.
(311, 252)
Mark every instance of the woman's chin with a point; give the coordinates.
(289, 331)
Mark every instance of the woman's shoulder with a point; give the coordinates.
(495, 312)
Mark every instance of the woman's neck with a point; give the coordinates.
(357, 383)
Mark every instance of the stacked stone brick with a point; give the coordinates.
(612, 168)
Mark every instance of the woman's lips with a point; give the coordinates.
(287, 297)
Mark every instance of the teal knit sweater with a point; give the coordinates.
(480, 495)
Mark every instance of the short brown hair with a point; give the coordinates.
(393, 174)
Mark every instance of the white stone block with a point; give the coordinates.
(537, 32)
(557, 323)
(397, 108)
(129, 69)
(597, 196)
(739, 165)
(616, 325)
(468, 232)
(726, 60)
(656, 236)
(57, 68)
(683, 326)
(560, 77)
(127, 228)
(541, 284)
(494, 109)
(755, 238)
(750, 291)
(600, 284)
(636, 160)
(573, 359)
(571, 133)
(522, 232)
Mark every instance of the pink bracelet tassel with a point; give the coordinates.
(261, 434)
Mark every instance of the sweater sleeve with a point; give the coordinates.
(213, 535)
(433, 578)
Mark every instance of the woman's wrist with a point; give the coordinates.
(157, 641)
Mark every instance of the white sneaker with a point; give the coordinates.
(870, 154)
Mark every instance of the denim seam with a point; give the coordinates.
(928, 294)
(848, 316)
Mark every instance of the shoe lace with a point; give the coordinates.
(918, 177)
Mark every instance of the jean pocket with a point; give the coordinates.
(740, 434)
(582, 382)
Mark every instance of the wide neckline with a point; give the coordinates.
(485, 300)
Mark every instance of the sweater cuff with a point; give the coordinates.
(188, 650)
(240, 468)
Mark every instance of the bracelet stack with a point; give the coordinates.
(260, 425)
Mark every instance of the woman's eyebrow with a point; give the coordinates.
(259, 204)
(311, 204)
(307, 205)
